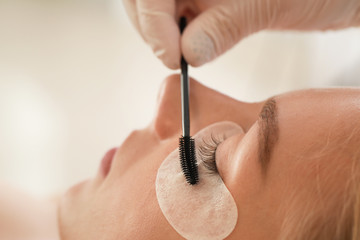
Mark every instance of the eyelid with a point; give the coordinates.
(207, 152)
(219, 131)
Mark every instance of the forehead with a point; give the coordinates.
(317, 112)
(315, 150)
(314, 126)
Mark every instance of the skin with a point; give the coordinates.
(305, 166)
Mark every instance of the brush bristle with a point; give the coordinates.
(188, 159)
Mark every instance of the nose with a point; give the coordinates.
(207, 106)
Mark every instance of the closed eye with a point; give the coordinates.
(207, 153)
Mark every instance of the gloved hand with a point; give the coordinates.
(217, 25)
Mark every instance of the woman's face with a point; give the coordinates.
(283, 162)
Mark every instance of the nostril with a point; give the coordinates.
(167, 120)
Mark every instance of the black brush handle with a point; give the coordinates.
(185, 109)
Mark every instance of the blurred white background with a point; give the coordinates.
(75, 79)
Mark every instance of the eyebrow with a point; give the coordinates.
(268, 132)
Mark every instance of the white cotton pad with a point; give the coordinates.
(205, 211)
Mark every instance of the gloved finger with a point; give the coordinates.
(131, 10)
(160, 29)
(219, 28)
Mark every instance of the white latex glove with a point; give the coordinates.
(217, 25)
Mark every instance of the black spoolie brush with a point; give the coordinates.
(186, 143)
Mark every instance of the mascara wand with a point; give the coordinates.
(186, 143)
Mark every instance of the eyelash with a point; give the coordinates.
(207, 153)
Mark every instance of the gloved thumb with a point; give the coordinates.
(220, 27)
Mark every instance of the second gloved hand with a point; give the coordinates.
(217, 25)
